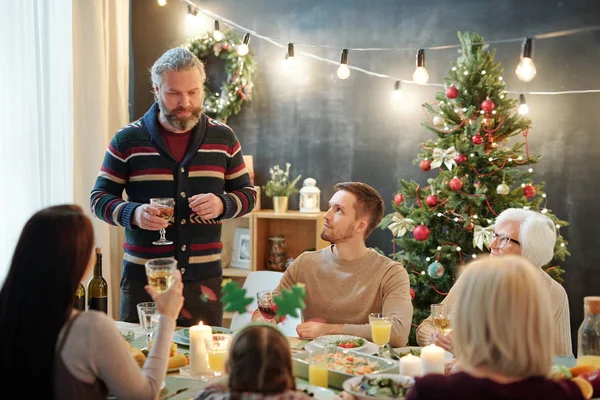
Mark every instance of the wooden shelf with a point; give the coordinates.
(291, 214)
(235, 272)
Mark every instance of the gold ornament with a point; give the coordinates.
(483, 236)
(444, 156)
(503, 189)
(401, 225)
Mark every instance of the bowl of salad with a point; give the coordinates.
(348, 342)
(381, 386)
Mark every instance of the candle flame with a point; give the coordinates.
(200, 323)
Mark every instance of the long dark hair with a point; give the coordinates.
(37, 298)
(260, 361)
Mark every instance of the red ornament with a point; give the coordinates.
(487, 105)
(529, 191)
(398, 198)
(432, 200)
(421, 233)
(455, 183)
(412, 293)
(425, 165)
(477, 139)
(451, 92)
(460, 158)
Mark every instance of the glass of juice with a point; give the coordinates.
(161, 273)
(440, 314)
(318, 363)
(217, 350)
(381, 329)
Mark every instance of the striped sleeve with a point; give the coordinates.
(106, 198)
(240, 196)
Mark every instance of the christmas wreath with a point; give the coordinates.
(237, 88)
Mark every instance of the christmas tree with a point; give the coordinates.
(478, 165)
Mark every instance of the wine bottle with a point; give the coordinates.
(97, 287)
(80, 298)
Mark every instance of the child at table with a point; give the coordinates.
(70, 354)
(259, 367)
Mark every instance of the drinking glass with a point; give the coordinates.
(161, 273)
(440, 314)
(166, 206)
(217, 349)
(265, 302)
(147, 313)
(318, 363)
(381, 329)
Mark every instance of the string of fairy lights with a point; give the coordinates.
(525, 71)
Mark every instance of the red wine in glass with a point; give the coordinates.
(266, 305)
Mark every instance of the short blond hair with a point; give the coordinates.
(502, 319)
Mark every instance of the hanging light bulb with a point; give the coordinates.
(217, 34)
(162, 3)
(523, 107)
(343, 72)
(421, 75)
(243, 48)
(526, 69)
(397, 93)
(290, 60)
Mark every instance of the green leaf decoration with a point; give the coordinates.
(234, 297)
(290, 301)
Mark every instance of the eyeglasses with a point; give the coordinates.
(502, 240)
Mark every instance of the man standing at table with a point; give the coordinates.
(347, 281)
(174, 151)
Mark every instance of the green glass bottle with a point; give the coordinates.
(97, 287)
(80, 298)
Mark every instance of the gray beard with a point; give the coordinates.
(179, 123)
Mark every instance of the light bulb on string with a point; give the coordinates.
(162, 3)
(243, 48)
(217, 34)
(523, 107)
(290, 60)
(526, 68)
(343, 72)
(397, 93)
(421, 76)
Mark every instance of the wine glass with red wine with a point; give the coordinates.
(266, 305)
(166, 206)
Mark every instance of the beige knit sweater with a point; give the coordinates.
(345, 292)
(560, 308)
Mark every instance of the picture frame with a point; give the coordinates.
(241, 249)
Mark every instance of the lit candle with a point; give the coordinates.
(410, 365)
(310, 203)
(198, 355)
(433, 360)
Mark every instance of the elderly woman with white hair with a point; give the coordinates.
(533, 236)
(502, 327)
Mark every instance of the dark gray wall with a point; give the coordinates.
(336, 130)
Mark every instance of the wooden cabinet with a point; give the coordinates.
(302, 231)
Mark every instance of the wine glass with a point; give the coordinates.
(166, 206)
(161, 273)
(217, 349)
(381, 329)
(147, 313)
(440, 313)
(266, 305)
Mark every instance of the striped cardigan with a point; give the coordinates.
(138, 161)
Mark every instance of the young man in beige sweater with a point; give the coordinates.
(531, 235)
(347, 281)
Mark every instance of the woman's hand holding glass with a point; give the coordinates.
(170, 301)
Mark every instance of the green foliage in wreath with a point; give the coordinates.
(237, 88)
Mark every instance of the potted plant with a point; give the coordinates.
(279, 187)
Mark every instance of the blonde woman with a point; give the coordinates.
(502, 337)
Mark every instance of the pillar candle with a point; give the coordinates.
(410, 365)
(433, 360)
(198, 354)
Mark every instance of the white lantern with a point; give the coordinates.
(310, 197)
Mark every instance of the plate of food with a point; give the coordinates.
(345, 364)
(381, 386)
(317, 392)
(349, 342)
(182, 336)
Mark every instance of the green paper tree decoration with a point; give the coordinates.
(290, 301)
(234, 297)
